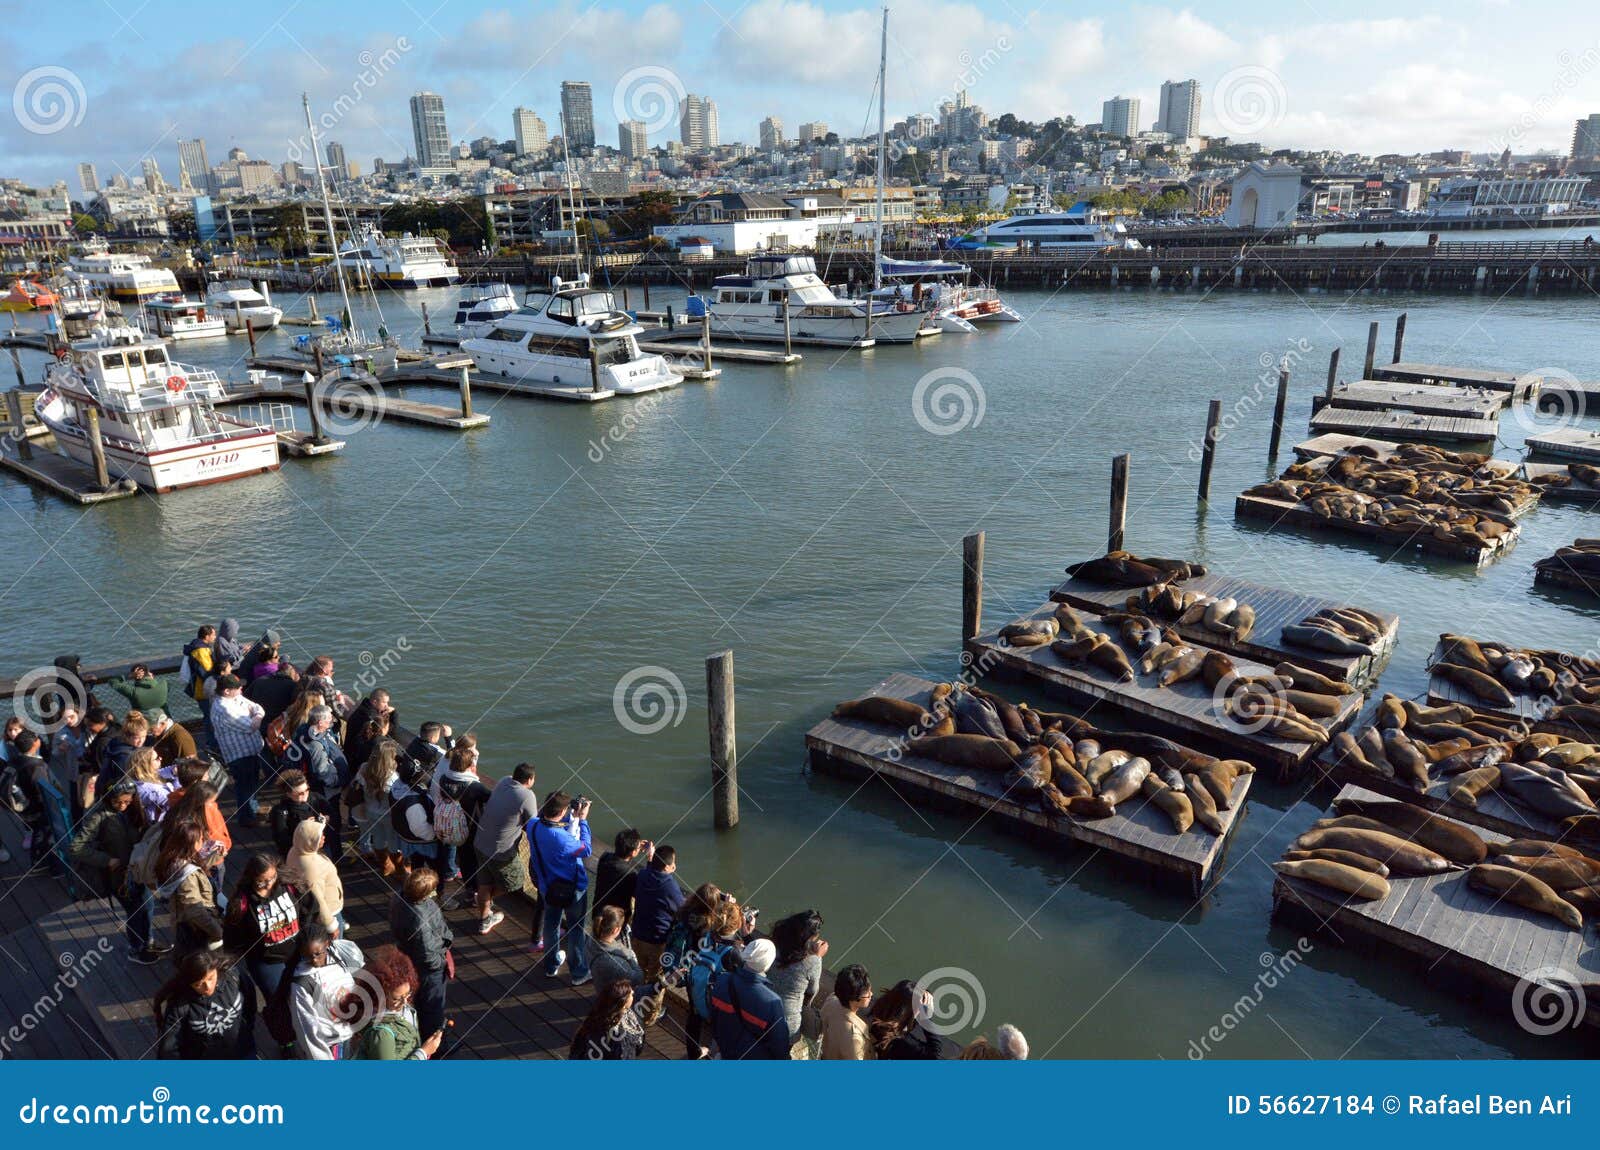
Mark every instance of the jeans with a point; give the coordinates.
(429, 1002)
(136, 901)
(246, 772)
(448, 864)
(563, 930)
(420, 854)
(334, 831)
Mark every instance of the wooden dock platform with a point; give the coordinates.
(1406, 425)
(661, 343)
(1442, 691)
(1421, 398)
(1576, 493)
(1445, 925)
(1186, 711)
(67, 478)
(1274, 609)
(1580, 397)
(1553, 572)
(1278, 514)
(1570, 443)
(366, 399)
(1519, 385)
(1138, 831)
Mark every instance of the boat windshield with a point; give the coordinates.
(596, 303)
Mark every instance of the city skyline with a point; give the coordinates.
(807, 61)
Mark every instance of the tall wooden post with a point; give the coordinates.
(16, 365)
(311, 394)
(97, 447)
(427, 326)
(311, 302)
(466, 393)
(788, 343)
(14, 418)
(646, 293)
(705, 339)
(624, 297)
(671, 323)
(594, 367)
(1277, 409)
(1399, 336)
(971, 585)
(1372, 349)
(724, 740)
(250, 331)
(1119, 501)
(1213, 418)
(1333, 371)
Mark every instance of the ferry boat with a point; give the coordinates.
(477, 313)
(956, 303)
(1078, 228)
(410, 261)
(572, 336)
(181, 318)
(158, 423)
(751, 307)
(124, 275)
(241, 304)
(28, 295)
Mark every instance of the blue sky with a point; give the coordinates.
(131, 77)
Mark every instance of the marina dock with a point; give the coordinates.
(1274, 608)
(1406, 425)
(1276, 513)
(1553, 572)
(1187, 710)
(1447, 927)
(1569, 443)
(1420, 398)
(1518, 385)
(1580, 397)
(47, 468)
(362, 399)
(1137, 832)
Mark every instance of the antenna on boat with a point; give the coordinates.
(327, 210)
(877, 231)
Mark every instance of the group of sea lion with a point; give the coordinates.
(1341, 630)
(1582, 559)
(1496, 673)
(1584, 473)
(1368, 840)
(1401, 517)
(1058, 761)
(1125, 569)
(1221, 614)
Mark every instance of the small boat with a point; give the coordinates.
(410, 261)
(158, 423)
(28, 295)
(957, 304)
(571, 336)
(241, 304)
(79, 311)
(478, 312)
(181, 318)
(753, 307)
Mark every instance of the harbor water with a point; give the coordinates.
(555, 581)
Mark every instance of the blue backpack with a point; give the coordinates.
(704, 966)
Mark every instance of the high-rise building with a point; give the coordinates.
(152, 175)
(1180, 109)
(256, 174)
(429, 131)
(340, 167)
(633, 137)
(89, 178)
(771, 134)
(1119, 116)
(192, 162)
(960, 119)
(529, 131)
(293, 177)
(577, 115)
(1586, 138)
(813, 133)
(697, 122)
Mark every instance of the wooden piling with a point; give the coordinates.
(311, 393)
(594, 366)
(14, 419)
(250, 331)
(788, 343)
(624, 297)
(1372, 349)
(971, 585)
(16, 365)
(1399, 336)
(97, 447)
(466, 393)
(705, 339)
(427, 327)
(1119, 501)
(724, 740)
(671, 323)
(1208, 457)
(1333, 372)
(1277, 409)
(646, 293)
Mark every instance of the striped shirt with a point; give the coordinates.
(236, 725)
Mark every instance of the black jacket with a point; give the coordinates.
(420, 931)
(208, 1028)
(105, 836)
(274, 693)
(288, 815)
(614, 878)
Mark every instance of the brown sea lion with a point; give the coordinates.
(1070, 782)
(1109, 657)
(1336, 876)
(1538, 848)
(1053, 802)
(1219, 779)
(1390, 713)
(1442, 732)
(1524, 890)
(976, 752)
(1311, 704)
(1185, 666)
(1124, 782)
(1402, 856)
(1410, 765)
(1480, 684)
(1371, 744)
(1205, 807)
(1448, 748)
(1345, 858)
(1450, 713)
(1559, 874)
(1455, 842)
(1345, 751)
(1093, 807)
(1174, 804)
(1030, 632)
(1464, 652)
(1097, 769)
(1467, 787)
(885, 710)
(1076, 650)
(1215, 667)
(1305, 679)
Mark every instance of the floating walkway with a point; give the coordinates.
(68, 478)
(363, 398)
(1519, 385)
(1570, 443)
(1276, 513)
(1420, 398)
(1138, 831)
(1406, 425)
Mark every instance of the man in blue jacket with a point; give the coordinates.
(558, 842)
(657, 897)
(746, 1013)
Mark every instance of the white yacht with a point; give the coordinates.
(571, 337)
(1078, 228)
(410, 261)
(180, 318)
(241, 303)
(124, 275)
(957, 304)
(752, 307)
(477, 312)
(158, 425)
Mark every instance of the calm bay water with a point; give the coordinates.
(510, 577)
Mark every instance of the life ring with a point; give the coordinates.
(61, 353)
(176, 384)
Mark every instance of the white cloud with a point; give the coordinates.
(1181, 38)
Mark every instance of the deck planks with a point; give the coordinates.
(1406, 425)
(1573, 444)
(1421, 398)
(1518, 384)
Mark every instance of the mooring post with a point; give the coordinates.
(624, 297)
(1372, 349)
(971, 585)
(14, 418)
(16, 364)
(724, 740)
(311, 302)
(671, 323)
(1208, 457)
(1277, 409)
(705, 339)
(311, 393)
(1119, 501)
(646, 293)
(788, 342)
(1333, 371)
(97, 447)
(466, 393)
(427, 327)
(1399, 336)
(594, 366)
(250, 331)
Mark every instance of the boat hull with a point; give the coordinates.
(564, 372)
(260, 318)
(833, 331)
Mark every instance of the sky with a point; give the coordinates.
(114, 81)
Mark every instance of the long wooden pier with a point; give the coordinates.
(1138, 831)
(1277, 513)
(1406, 425)
(1517, 385)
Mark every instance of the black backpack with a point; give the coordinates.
(399, 812)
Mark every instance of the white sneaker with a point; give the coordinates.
(485, 925)
(585, 979)
(553, 967)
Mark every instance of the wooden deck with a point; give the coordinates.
(1422, 398)
(1518, 384)
(1274, 609)
(1185, 710)
(1567, 579)
(1580, 397)
(1441, 691)
(1569, 443)
(1406, 425)
(1335, 443)
(53, 471)
(1444, 925)
(362, 400)
(1278, 514)
(1138, 831)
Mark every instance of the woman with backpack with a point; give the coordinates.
(184, 884)
(368, 797)
(262, 927)
(317, 993)
(423, 936)
(202, 1012)
(709, 929)
(458, 798)
(382, 1011)
(100, 853)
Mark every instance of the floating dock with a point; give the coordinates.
(1186, 711)
(1553, 572)
(1277, 513)
(1420, 398)
(660, 343)
(1138, 831)
(1520, 385)
(1445, 925)
(364, 398)
(1274, 609)
(1406, 425)
(1580, 397)
(68, 478)
(1442, 691)
(1570, 443)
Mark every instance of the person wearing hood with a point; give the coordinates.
(747, 1014)
(270, 642)
(100, 852)
(311, 872)
(203, 1012)
(142, 689)
(316, 751)
(316, 997)
(423, 936)
(227, 644)
(185, 886)
(456, 781)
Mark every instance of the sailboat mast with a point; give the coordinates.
(327, 208)
(877, 231)
(572, 195)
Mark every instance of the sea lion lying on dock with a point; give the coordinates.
(891, 712)
(1455, 842)
(1481, 684)
(1304, 679)
(1030, 632)
(1174, 803)
(1524, 890)
(1344, 858)
(975, 752)
(1337, 876)
(1402, 856)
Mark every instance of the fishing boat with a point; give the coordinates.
(124, 275)
(241, 304)
(182, 318)
(28, 295)
(158, 423)
(478, 311)
(410, 261)
(781, 296)
(571, 336)
(957, 304)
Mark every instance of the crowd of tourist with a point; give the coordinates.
(128, 810)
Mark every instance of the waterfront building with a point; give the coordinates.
(1586, 139)
(577, 115)
(429, 131)
(1264, 196)
(529, 132)
(1119, 116)
(1179, 114)
(1471, 196)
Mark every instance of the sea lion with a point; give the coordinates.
(1559, 874)
(1538, 848)
(1218, 778)
(1455, 842)
(1410, 765)
(1480, 684)
(1185, 666)
(1548, 793)
(1314, 705)
(1390, 713)
(1215, 667)
(976, 716)
(1148, 662)
(1030, 632)
(885, 710)
(1085, 749)
(1323, 639)
(1402, 856)
(1070, 782)
(1124, 782)
(1194, 614)
(1449, 748)
(1524, 890)
(1336, 876)
(1346, 751)
(1467, 787)
(1010, 718)
(1093, 807)
(1305, 679)
(1463, 652)
(1241, 622)
(1140, 634)
(1344, 858)
(1174, 804)
(1117, 572)
(977, 752)
(1170, 777)
(1217, 612)
(1205, 807)
(1442, 732)
(1586, 828)
(1450, 713)
(1109, 657)
(1101, 766)
(1030, 720)
(1053, 802)
(1077, 649)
